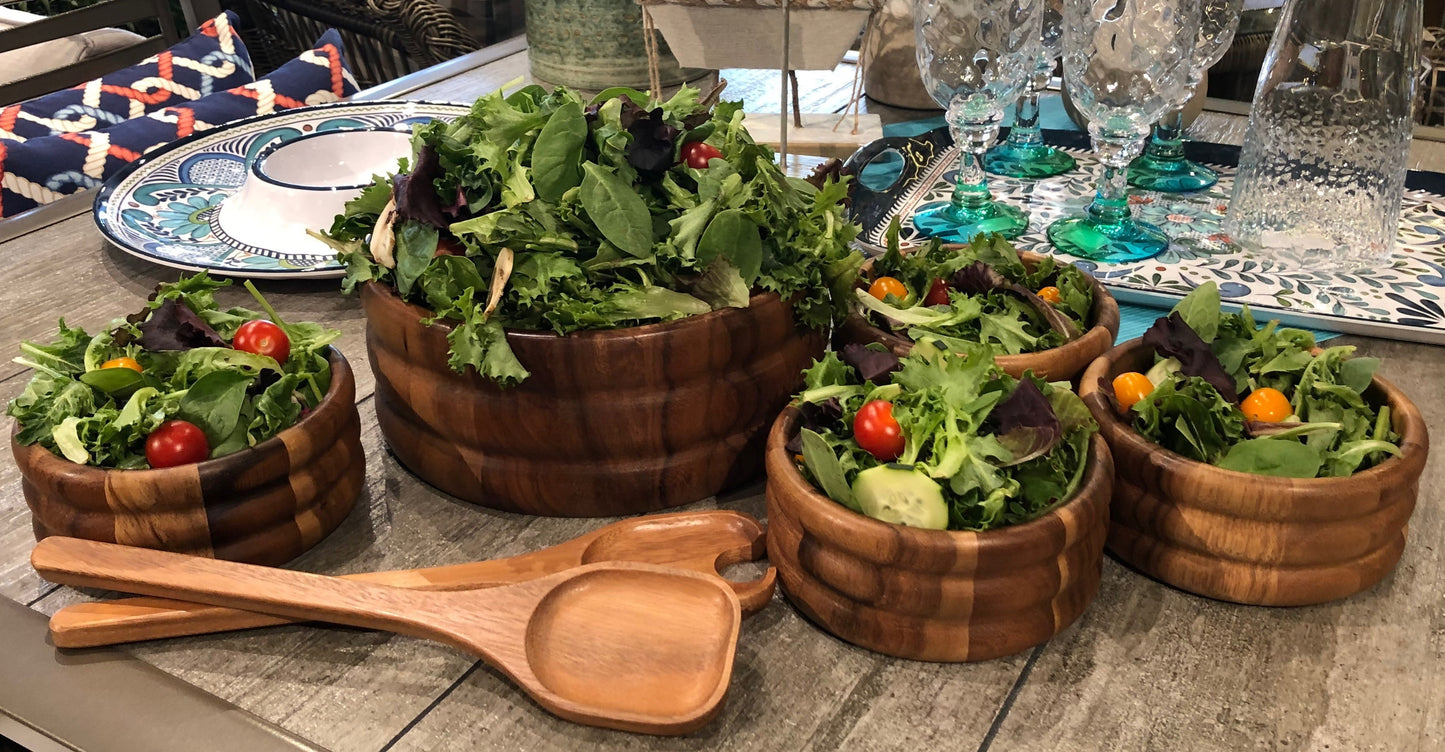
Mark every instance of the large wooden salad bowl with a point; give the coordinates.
(934, 595)
(609, 423)
(263, 505)
(1252, 538)
(1062, 363)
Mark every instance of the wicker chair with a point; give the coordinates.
(385, 39)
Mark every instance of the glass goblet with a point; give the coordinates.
(1023, 154)
(1162, 166)
(1125, 62)
(975, 56)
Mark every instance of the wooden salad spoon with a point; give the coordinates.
(623, 645)
(705, 541)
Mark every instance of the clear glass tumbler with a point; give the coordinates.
(1323, 168)
(975, 57)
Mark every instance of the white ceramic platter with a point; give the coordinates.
(165, 206)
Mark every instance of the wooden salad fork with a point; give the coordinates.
(623, 645)
(704, 541)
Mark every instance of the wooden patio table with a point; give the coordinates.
(1146, 668)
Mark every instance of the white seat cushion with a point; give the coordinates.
(57, 53)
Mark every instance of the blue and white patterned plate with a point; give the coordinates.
(1399, 300)
(163, 207)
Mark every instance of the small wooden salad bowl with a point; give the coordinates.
(934, 595)
(1063, 363)
(1250, 538)
(263, 505)
(609, 423)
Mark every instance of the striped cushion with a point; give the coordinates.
(213, 59)
(42, 170)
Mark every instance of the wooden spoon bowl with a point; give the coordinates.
(1253, 538)
(1062, 363)
(629, 646)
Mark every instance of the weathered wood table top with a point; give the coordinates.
(1146, 668)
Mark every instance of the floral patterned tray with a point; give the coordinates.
(1399, 301)
(163, 207)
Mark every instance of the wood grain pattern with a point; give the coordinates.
(623, 645)
(263, 505)
(613, 422)
(1062, 363)
(931, 594)
(1251, 538)
(701, 541)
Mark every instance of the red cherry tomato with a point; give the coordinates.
(937, 293)
(877, 432)
(697, 154)
(263, 338)
(176, 442)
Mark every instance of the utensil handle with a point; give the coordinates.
(88, 625)
(298, 595)
(871, 207)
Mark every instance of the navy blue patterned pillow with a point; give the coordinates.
(42, 170)
(211, 60)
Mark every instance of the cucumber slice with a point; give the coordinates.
(901, 495)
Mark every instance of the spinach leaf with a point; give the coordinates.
(824, 466)
(731, 235)
(416, 245)
(214, 404)
(1282, 458)
(1200, 310)
(116, 381)
(557, 156)
(620, 213)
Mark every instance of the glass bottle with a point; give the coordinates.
(1322, 172)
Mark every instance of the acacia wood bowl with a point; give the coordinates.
(263, 505)
(1062, 363)
(934, 595)
(1250, 538)
(609, 423)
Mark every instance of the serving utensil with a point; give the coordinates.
(622, 645)
(705, 541)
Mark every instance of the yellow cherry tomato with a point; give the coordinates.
(1131, 387)
(1051, 294)
(122, 362)
(1266, 405)
(885, 286)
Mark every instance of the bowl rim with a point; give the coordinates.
(257, 167)
(38, 458)
(1104, 313)
(387, 294)
(1414, 436)
(1097, 480)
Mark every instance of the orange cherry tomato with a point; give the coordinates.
(1051, 294)
(122, 362)
(1131, 387)
(1266, 405)
(885, 286)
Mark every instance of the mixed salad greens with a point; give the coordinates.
(939, 439)
(981, 293)
(545, 211)
(1226, 391)
(179, 381)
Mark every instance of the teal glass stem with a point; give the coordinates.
(1107, 231)
(1162, 166)
(971, 211)
(1023, 154)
